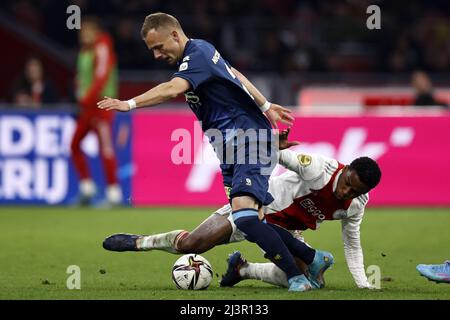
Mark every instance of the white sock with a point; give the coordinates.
(161, 241)
(114, 194)
(267, 272)
(87, 188)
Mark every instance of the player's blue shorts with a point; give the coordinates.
(246, 180)
(247, 160)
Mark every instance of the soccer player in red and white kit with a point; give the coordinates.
(314, 189)
(96, 78)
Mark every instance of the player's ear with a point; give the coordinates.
(175, 36)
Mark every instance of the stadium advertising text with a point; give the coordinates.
(172, 154)
(33, 157)
(394, 142)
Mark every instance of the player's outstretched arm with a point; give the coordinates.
(353, 251)
(274, 112)
(161, 93)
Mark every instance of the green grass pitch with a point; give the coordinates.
(37, 244)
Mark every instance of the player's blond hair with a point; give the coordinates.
(158, 20)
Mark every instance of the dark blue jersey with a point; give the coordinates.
(216, 95)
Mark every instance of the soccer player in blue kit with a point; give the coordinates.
(228, 106)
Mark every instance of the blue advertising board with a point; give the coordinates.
(35, 161)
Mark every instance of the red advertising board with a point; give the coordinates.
(176, 166)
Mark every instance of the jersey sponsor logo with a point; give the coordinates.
(193, 101)
(304, 160)
(312, 209)
(191, 97)
(183, 66)
(216, 57)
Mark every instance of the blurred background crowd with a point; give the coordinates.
(300, 42)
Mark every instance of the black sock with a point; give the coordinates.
(295, 246)
(267, 239)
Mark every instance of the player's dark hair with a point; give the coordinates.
(368, 171)
(157, 20)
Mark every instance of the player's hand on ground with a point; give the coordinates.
(367, 285)
(278, 113)
(113, 104)
(283, 140)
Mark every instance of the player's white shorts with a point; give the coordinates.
(238, 236)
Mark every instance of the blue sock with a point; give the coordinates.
(295, 246)
(267, 239)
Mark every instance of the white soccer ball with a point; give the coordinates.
(192, 272)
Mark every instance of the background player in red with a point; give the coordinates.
(96, 78)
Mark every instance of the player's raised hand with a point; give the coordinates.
(113, 104)
(278, 113)
(283, 141)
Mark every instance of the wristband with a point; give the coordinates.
(265, 106)
(131, 104)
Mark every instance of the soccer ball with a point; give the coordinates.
(192, 272)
